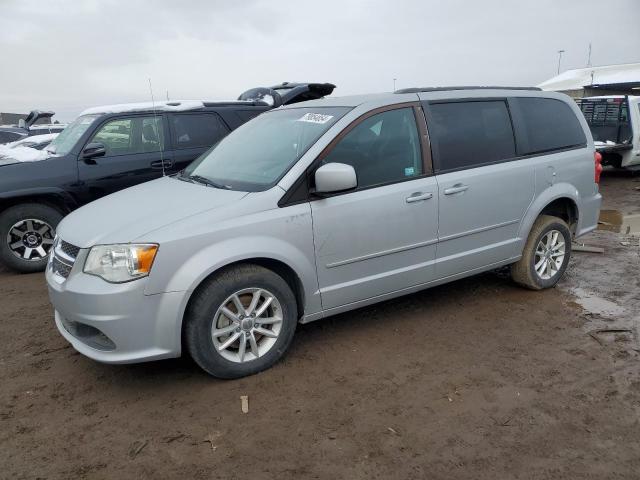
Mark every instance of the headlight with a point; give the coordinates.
(120, 263)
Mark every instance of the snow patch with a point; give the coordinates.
(172, 106)
(21, 154)
(33, 139)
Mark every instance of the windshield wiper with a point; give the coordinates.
(208, 182)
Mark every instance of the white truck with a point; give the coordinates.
(614, 121)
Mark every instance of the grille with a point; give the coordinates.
(70, 250)
(64, 256)
(60, 268)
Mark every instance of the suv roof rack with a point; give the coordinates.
(442, 89)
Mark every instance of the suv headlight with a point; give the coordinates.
(120, 263)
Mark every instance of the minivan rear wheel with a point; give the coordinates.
(546, 254)
(26, 236)
(240, 322)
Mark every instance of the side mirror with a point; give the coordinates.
(335, 177)
(94, 150)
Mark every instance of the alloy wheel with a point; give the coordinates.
(247, 324)
(549, 254)
(31, 239)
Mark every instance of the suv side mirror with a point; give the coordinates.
(94, 150)
(335, 177)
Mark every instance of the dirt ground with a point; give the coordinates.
(477, 379)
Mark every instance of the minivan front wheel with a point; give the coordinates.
(240, 322)
(546, 254)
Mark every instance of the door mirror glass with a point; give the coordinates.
(94, 149)
(335, 177)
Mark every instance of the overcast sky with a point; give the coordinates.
(68, 55)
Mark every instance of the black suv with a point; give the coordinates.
(114, 147)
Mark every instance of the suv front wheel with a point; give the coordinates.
(26, 236)
(546, 254)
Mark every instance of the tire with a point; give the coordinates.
(205, 311)
(524, 271)
(34, 222)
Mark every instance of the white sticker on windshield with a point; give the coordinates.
(315, 118)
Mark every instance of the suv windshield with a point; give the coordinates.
(64, 142)
(255, 156)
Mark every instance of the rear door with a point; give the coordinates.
(484, 191)
(380, 238)
(134, 154)
(192, 134)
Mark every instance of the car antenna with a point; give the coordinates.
(155, 115)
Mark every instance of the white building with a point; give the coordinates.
(592, 81)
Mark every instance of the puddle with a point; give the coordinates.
(596, 305)
(614, 221)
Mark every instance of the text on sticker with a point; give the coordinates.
(315, 118)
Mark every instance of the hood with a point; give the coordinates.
(10, 154)
(126, 215)
(287, 93)
(35, 115)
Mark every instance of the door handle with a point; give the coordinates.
(419, 197)
(158, 164)
(457, 188)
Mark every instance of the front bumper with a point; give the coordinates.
(116, 323)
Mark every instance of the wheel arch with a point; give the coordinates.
(561, 200)
(277, 266)
(60, 201)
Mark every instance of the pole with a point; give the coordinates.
(560, 52)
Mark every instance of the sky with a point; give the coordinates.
(68, 55)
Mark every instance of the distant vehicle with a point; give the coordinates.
(614, 121)
(319, 208)
(107, 149)
(28, 127)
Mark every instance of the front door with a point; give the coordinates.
(134, 154)
(380, 238)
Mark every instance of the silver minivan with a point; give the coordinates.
(322, 207)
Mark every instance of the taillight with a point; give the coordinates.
(597, 158)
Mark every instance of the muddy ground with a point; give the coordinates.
(477, 379)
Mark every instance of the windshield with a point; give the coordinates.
(255, 156)
(64, 142)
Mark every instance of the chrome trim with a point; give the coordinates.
(477, 230)
(382, 253)
(63, 257)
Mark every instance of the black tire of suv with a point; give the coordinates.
(209, 297)
(13, 215)
(523, 271)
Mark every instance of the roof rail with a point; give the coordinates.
(444, 89)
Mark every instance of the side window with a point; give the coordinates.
(131, 135)
(470, 134)
(6, 137)
(197, 130)
(548, 124)
(384, 148)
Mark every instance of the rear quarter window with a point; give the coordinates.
(546, 124)
(197, 130)
(470, 133)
